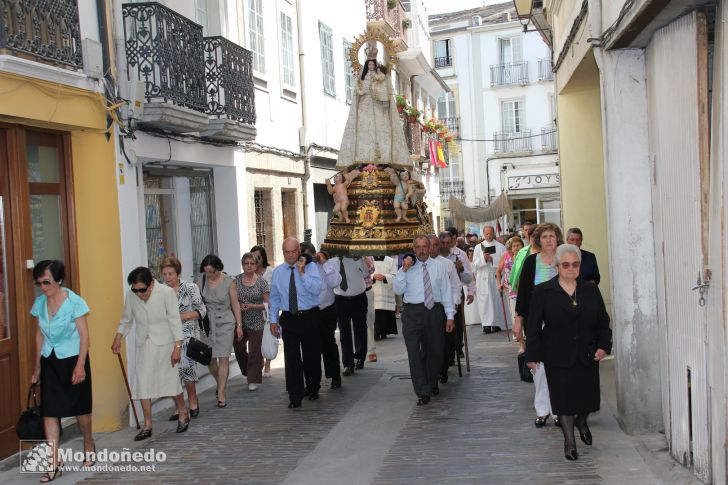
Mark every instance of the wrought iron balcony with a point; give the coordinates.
(453, 125)
(441, 62)
(452, 187)
(229, 80)
(545, 70)
(388, 20)
(188, 79)
(549, 138)
(512, 142)
(43, 30)
(506, 74)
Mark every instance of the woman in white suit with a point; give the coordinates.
(155, 309)
(385, 305)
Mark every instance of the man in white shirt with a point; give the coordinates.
(428, 312)
(351, 310)
(486, 257)
(465, 272)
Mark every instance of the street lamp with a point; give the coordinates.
(524, 9)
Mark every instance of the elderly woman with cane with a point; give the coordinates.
(568, 329)
(155, 310)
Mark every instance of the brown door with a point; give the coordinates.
(37, 223)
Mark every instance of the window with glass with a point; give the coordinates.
(512, 116)
(446, 106)
(201, 16)
(511, 50)
(348, 73)
(256, 39)
(443, 53)
(289, 78)
(327, 59)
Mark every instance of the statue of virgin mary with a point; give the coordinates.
(374, 132)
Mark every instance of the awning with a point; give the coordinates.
(460, 213)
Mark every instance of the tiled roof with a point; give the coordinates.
(491, 14)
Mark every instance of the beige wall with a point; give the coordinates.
(582, 164)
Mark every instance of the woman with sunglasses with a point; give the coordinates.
(155, 310)
(568, 330)
(62, 363)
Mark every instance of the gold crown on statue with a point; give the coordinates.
(371, 50)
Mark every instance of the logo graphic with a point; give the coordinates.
(36, 456)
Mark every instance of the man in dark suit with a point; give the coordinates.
(589, 269)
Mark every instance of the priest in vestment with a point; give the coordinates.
(488, 297)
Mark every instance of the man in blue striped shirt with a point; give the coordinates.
(294, 292)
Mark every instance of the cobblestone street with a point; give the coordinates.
(479, 430)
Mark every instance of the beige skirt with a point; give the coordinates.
(155, 376)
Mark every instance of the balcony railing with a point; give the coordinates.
(165, 50)
(549, 138)
(443, 62)
(42, 30)
(454, 188)
(453, 125)
(505, 74)
(512, 142)
(229, 78)
(545, 70)
(378, 11)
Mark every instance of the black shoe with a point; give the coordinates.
(495, 329)
(359, 364)
(182, 426)
(585, 434)
(487, 329)
(423, 400)
(570, 453)
(294, 404)
(540, 421)
(195, 412)
(306, 393)
(557, 421)
(336, 383)
(436, 391)
(461, 354)
(174, 417)
(443, 378)
(143, 434)
(348, 371)
(313, 395)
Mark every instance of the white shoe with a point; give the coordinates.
(252, 387)
(266, 374)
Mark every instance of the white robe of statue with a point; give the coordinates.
(489, 298)
(374, 132)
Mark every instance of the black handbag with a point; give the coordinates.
(204, 322)
(30, 424)
(199, 351)
(523, 369)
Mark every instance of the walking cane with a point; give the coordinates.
(465, 337)
(128, 390)
(505, 317)
(455, 349)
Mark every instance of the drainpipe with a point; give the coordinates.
(304, 113)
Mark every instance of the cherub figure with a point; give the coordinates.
(341, 199)
(405, 190)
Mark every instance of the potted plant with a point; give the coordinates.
(391, 4)
(401, 103)
(413, 114)
(406, 23)
(429, 127)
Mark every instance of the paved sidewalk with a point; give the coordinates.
(478, 431)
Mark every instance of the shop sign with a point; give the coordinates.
(538, 181)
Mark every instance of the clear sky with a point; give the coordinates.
(444, 6)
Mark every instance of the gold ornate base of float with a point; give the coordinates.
(373, 230)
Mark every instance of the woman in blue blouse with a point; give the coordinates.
(62, 364)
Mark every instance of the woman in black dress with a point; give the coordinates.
(62, 365)
(568, 330)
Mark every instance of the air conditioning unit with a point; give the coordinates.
(476, 21)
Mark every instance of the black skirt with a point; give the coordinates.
(385, 323)
(573, 390)
(58, 397)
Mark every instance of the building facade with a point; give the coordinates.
(507, 133)
(642, 131)
(58, 197)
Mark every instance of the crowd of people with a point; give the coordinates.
(545, 289)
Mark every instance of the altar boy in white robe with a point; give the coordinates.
(486, 257)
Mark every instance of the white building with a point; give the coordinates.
(503, 103)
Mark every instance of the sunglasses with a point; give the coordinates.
(43, 283)
(574, 265)
(140, 290)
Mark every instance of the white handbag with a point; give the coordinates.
(269, 346)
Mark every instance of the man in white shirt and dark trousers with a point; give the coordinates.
(428, 312)
(465, 271)
(351, 309)
(330, 279)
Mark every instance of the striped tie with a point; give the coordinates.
(429, 301)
